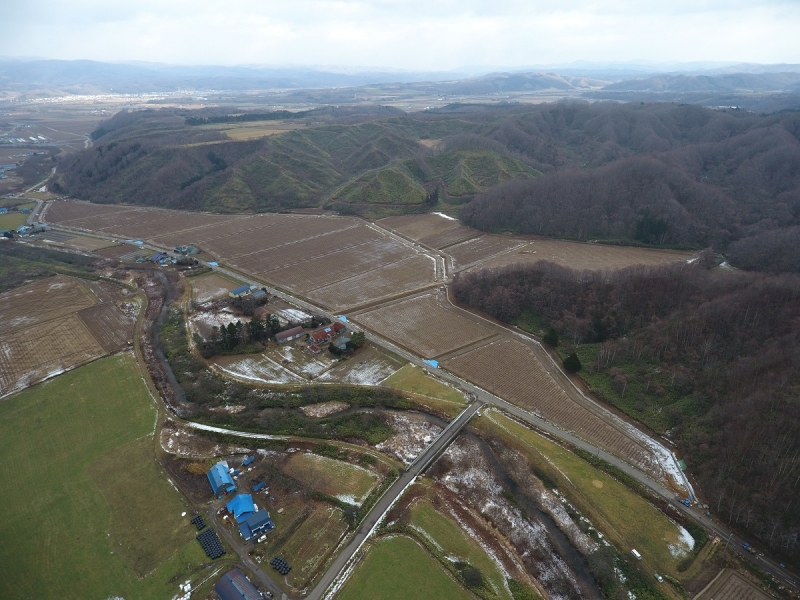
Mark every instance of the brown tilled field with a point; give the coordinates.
(424, 324)
(34, 353)
(316, 272)
(731, 586)
(511, 370)
(430, 229)
(56, 324)
(42, 301)
(576, 255)
(401, 277)
(296, 252)
(108, 325)
(481, 248)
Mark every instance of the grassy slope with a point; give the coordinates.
(453, 541)
(331, 477)
(639, 524)
(60, 531)
(413, 379)
(397, 568)
(465, 173)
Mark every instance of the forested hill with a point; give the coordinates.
(709, 359)
(657, 174)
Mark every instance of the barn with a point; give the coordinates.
(240, 291)
(241, 506)
(234, 585)
(289, 335)
(220, 479)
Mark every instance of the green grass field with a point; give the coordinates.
(398, 568)
(638, 523)
(12, 220)
(331, 477)
(413, 379)
(454, 542)
(89, 510)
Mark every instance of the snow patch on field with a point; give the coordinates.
(369, 372)
(204, 322)
(323, 409)
(444, 216)
(260, 369)
(414, 434)
(684, 545)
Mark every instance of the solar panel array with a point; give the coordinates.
(198, 522)
(280, 565)
(211, 544)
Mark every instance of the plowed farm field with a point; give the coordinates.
(424, 324)
(478, 249)
(299, 253)
(511, 370)
(430, 229)
(576, 255)
(400, 277)
(54, 325)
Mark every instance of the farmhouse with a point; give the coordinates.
(327, 333)
(254, 524)
(290, 334)
(220, 479)
(235, 586)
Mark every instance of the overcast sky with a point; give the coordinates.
(403, 34)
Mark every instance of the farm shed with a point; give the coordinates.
(240, 291)
(257, 487)
(158, 257)
(289, 335)
(235, 586)
(258, 294)
(241, 506)
(255, 523)
(220, 479)
(314, 349)
(295, 317)
(248, 460)
(3, 210)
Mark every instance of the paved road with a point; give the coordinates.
(484, 396)
(373, 519)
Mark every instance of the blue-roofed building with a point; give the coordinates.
(220, 479)
(241, 506)
(235, 586)
(254, 524)
(248, 460)
(257, 487)
(240, 291)
(3, 210)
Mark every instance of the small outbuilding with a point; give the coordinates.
(290, 334)
(234, 585)
(220, 479)
(314, 349)
(248, 460)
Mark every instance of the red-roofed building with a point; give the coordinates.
(325, 334)
(314, 349)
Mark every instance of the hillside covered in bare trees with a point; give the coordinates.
(708, 359)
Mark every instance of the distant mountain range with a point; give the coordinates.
(86, 76)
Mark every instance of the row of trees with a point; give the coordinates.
(711, 359)
(242, 336)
